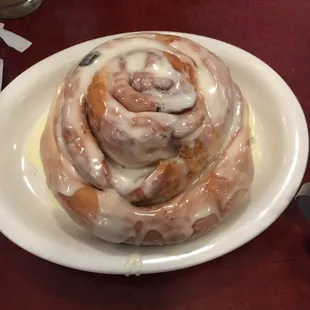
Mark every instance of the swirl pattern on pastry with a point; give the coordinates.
(148, 141)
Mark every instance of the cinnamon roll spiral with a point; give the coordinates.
(148, 141)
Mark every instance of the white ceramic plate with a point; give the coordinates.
(27, 218)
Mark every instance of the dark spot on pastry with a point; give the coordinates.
(160, 107)
(165, 135)
(163, 84)
(89, 59)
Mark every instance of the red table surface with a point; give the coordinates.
(270, 272)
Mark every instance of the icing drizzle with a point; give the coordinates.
(157, 130)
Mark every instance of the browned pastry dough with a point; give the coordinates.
(147, 141)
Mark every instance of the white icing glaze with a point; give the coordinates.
(136, 140)
(135, 62)
(121, 161)
(127, 180)
(89, 155)
(213, 91)
(134, 264)
(116, 219)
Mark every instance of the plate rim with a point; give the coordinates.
(293, 183)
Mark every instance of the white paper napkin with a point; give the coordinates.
(14, 40)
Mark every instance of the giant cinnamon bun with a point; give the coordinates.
(148, 141)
